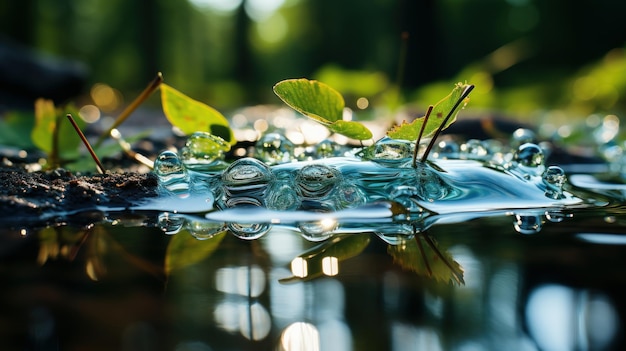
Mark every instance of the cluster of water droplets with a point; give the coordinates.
(283, 182)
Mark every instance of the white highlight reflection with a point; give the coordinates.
(300, 336)
(561, 318)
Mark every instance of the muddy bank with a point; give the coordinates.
(39, 197)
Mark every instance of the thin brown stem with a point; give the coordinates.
(154, 84)
(464, 95)
(101, 169)
(419, 137)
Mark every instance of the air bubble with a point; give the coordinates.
(274, 148)
(249, 231)
(171, 172)
(318, 230)
(204, 230)
(316, 181)
(522, 136)
(528, 223)
(529, 155)
(247, 176)
(203, 151)
(170, 224)
(389, 150)
(554, 178)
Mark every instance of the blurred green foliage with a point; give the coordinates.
(522, 55)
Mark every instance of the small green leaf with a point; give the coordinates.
(321, 103)
(184, 250)
(15, 129)
(191, 116)
(46, 119)
(351, 129)
(410, 131)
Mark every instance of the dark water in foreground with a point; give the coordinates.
(125, 285)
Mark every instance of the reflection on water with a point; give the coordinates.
(129, 285)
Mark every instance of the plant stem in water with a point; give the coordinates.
(419, 137)
(464, 94)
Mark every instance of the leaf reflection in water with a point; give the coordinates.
(423, 257)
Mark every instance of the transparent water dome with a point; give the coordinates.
(378, 188)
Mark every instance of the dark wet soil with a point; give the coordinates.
(27, 197)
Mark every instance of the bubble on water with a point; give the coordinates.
(170, 224)
(556, 216)
(396, 235)
(203, 151)
(274, 148)
(282, 196)
(171, 172)
(349, 195)
(316, 181)
(430, 186)
(522, 136)
(473, 149)
(388, 150)
(446, 149)
(529, 159)
(204, 230)
(529, 155)
(318, 230)
(554, 178)
(249, 231)
(247, 176)
(528, 223)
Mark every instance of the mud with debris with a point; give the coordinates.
(29, 197)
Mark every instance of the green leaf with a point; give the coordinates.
(184, 250)
(410, 131)
(422, 256)
(192, 116)
(46, 119)
(341, 247)
(321, 103)
(15, 129)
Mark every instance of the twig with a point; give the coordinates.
(101, 169)
(464, 94)
(419, 137)
(154, 84)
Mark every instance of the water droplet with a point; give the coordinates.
(430, 186)
(554, 178)
(247, 176)
(171, 172)
(528, 223)
(318, 230)
(389, 150)
(446, 149)
(349, 195)
(522, 136)
(169, 223)
(316, 180)
(274, 148)
(282, 196)
(529, 155)
(203, 151)
(204, 230)
(249, 231)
